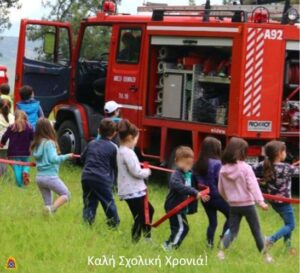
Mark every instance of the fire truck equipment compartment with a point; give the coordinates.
(192, 81)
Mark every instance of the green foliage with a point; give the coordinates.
(62, 243)
(72, 11)
(96, 42)
(5, 5)
(36, 34)
(192, 3)
(227, 2)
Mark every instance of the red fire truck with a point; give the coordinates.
(179, 77)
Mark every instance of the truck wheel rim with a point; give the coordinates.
(68, 141)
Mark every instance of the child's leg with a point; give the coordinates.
(90, 203)
(224, 208)
(45, 191)
(105, 196)
(25, 159)
(253, 222)
(135, 208)
(235, 217)
(286, 212)
(58, 186)
(179, 230)
(18, 172)
(25, 171)
(3, 167)
(211, 213)
(146, 228)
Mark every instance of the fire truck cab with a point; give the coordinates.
(178, 77)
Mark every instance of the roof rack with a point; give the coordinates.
(235, 15)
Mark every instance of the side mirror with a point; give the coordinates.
(49, 43)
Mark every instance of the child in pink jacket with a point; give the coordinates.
(239, 187)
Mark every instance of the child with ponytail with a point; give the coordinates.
(20, 135)
(131, 185)
(6, 119)
(277, 176)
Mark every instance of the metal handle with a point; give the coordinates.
(133, 88)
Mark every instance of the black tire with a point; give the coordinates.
(171, 160)
(68, 138)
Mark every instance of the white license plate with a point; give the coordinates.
(252, 160)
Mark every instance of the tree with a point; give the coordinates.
(192, 3)
(5, 5)
(73, 11)
(96, 38)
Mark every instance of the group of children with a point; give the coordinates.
(17, 130)
(233, 185)
(234, 188)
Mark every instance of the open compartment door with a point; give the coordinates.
(44, 61)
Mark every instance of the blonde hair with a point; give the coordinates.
(21, 120)
(44, 130)
(183, 152)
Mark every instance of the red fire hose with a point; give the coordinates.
(173, 211)
(266, 196)
(176, 209)
(15, 162)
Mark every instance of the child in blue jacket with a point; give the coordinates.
(29, 105)
(98, 175)
(45, 151)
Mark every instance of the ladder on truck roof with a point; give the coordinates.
(275, 10)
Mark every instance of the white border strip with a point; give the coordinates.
(205, 29)
(170, 40)
(132, 107)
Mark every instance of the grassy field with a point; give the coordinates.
(63, 243)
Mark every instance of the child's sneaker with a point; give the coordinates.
(26, 179)
(166, 247)
(48, 210)
(221, 255)
(268, 258)
(291, 250)
(148, 240)
(209, 245)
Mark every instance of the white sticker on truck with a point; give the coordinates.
(259, 126)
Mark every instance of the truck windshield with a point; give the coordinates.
(92, 65)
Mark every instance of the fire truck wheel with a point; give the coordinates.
(171, 160)
(68, 137)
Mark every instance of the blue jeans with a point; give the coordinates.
(95, 192)
(19, 170)
(286, 212)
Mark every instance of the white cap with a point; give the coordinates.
(111, 106)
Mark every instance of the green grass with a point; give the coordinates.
(63, 243)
